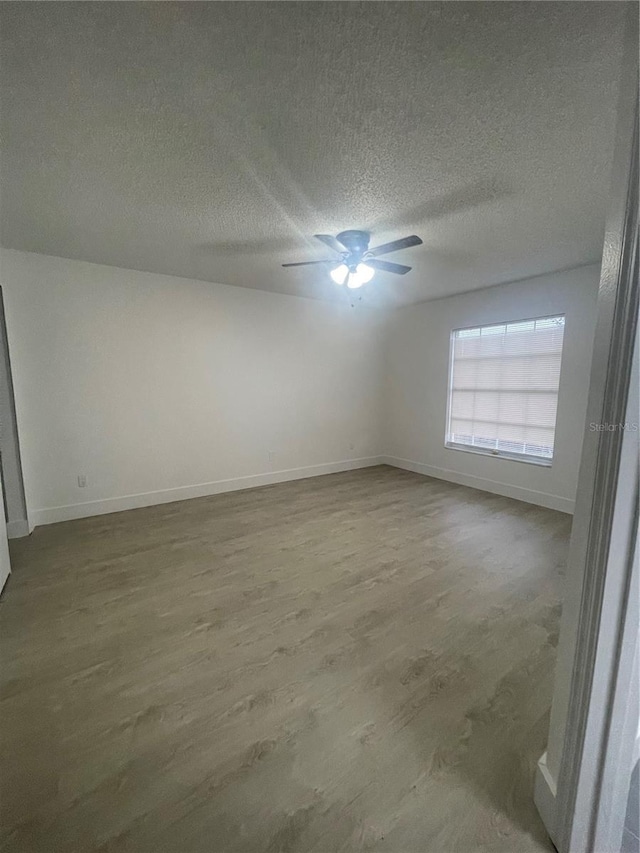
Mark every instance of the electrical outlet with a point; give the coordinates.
(352, 446)
(82, 480)
(272, 456)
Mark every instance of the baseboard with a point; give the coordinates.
(18, 529)
(505, 489)
(544, 796)
(51, 515)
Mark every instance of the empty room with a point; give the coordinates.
(316, 404)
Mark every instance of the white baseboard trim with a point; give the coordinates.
(544, 796)
(18, 529)
(51, 515)
(505, 489)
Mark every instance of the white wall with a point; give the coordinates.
(148, 383)
(417, 364)
(159, 388)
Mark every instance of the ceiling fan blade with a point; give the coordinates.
(330, 241)
(395, 245)
(307, 263)
(387, 266)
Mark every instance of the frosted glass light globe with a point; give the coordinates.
(339, 274)
(362, 275)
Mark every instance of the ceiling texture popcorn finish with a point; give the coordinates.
(212, 140)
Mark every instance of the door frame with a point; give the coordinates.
(15, 502)
(590, 731)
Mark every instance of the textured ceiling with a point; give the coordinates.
(210, 140)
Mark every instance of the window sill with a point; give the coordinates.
(498, 454)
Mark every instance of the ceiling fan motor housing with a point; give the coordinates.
(356, 242)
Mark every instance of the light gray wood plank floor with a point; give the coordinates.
(362, 661)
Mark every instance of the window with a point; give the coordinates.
(503, 389)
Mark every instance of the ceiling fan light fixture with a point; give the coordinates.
(361, 275)
(365, 272)
(358, 263)
(339, 274)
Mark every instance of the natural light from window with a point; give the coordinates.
(503, 388)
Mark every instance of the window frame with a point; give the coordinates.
(526, 458)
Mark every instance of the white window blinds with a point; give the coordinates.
(503, 392)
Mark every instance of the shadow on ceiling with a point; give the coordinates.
(475, 194)
(468, 197)
(248, 247)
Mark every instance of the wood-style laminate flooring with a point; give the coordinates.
(355, 662)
